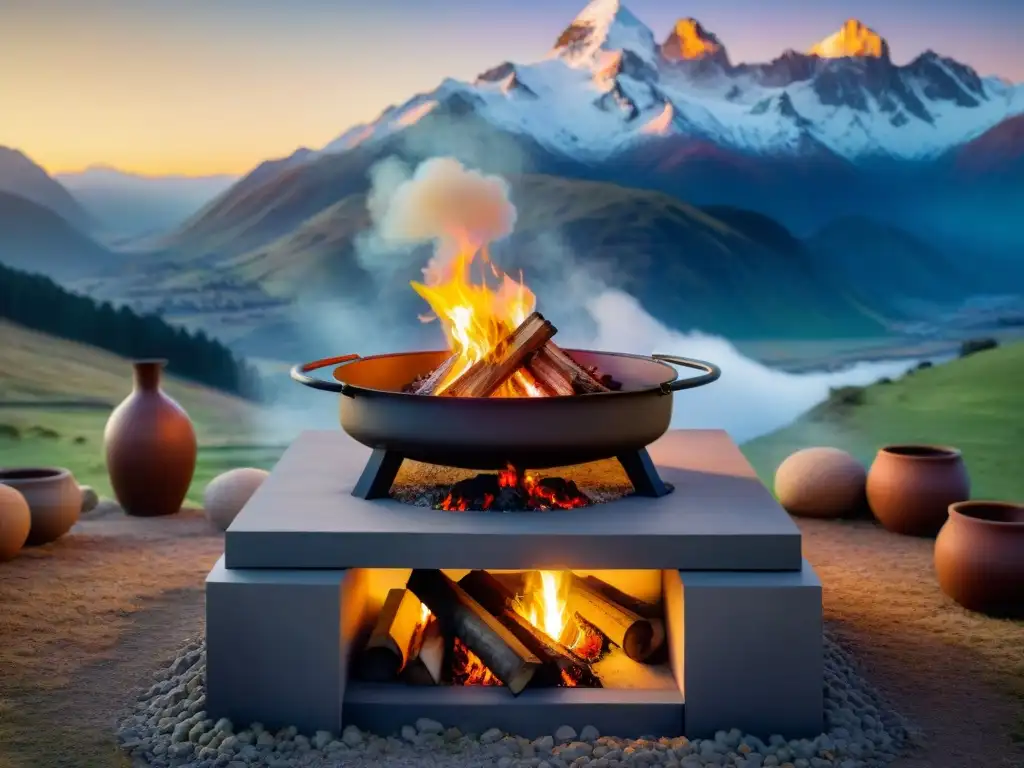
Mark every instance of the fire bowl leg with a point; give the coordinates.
(643, 474)
(749, 652)
(278, 645)
(378, 475)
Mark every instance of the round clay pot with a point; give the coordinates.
(910, 487)
(979, 557)
(821, 482)
(54, 501)
(150, 447)
(15, 522)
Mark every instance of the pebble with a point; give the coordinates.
(89, 499)
(169, 728)
(565, 733)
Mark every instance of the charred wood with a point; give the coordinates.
(428, 385)
(393, 638)
(582, 381)
(637, 636)
(426, 658)
(482, 633)
(560, 664)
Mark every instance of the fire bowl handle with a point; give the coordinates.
(711, 373)
(299, 374)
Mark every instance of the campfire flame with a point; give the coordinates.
(545, 604)
(476, 318)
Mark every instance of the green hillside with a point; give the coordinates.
(975, 403)
(56, 396)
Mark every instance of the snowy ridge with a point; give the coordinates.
(607, 85)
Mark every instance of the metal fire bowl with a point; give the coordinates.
(488, 433)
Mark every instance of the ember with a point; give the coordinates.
(511, 490)
(467, 669)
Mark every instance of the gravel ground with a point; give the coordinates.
(169, 727)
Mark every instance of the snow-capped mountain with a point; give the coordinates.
(608, 86)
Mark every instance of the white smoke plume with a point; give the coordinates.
(443, 202)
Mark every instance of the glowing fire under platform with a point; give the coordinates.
(328, 609)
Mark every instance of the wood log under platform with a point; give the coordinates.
(560, 665)
(637, 636)
(394, 637)
(427, 656)
(463, 617)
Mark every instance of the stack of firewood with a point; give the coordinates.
(528, 348)
(413, 637)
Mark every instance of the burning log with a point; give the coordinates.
(506, 656)
(394, 637)
(551, 357)
(559, 663)
(438, 375)
(553, 367)
(426, 658)
(549, 376)
(485, 376)
(637, 636)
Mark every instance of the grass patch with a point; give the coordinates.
(56, 396)
(975, 403)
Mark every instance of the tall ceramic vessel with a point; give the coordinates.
(150, 447)
(910, 487)
(979, 557)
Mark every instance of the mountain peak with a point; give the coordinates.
(689, 41)
(853, 40)
(603, 25)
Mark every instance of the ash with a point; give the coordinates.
(168, 726)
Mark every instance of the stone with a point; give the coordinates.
(352, 736)
(544, 743)
(227, 493)
(565, 733)
(589, 733)
(821, 482)
(491, 735)
(90, 499)
(426, 725)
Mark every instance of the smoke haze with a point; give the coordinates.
(413, 207)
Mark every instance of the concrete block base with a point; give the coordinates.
(533, 713)
(745, 648)
(278, 644)
(748, 651)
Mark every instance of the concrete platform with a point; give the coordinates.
(720, 517)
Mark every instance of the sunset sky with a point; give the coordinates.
(215, 86)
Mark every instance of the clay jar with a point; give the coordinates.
(53, 498)
(910, 487)
(979, 557)
(15, 522)
(150, 447)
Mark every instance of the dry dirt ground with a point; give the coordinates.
(86, 620)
